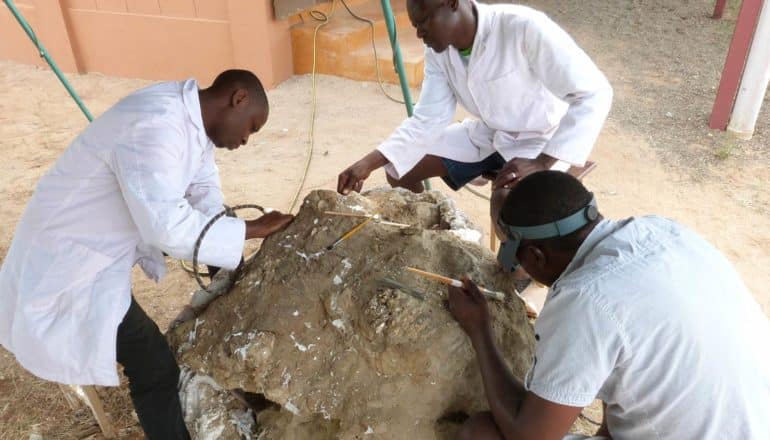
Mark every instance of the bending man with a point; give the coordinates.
(138, 182)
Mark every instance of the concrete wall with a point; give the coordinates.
(287, 8)
(153, 39)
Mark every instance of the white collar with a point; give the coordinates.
(192, 103)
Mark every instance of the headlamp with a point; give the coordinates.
(559, 228)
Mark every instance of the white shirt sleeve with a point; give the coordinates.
(434, 111)
(570, 74)
(578, 344)
(205, 191)
(149, 170)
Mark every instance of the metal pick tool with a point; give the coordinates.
(393, 284)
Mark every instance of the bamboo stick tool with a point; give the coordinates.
(499, 296)
(374, 217)
(349, 234)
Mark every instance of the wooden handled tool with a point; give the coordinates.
(348, 234)
(375, 217)
(500, 296)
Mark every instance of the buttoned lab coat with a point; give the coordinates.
(531, 87)
(139, 180)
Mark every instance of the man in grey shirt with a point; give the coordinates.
(641, 313)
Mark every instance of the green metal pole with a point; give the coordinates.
(398, 62)
(390, 23)
(44, 53)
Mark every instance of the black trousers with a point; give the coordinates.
(152, 374)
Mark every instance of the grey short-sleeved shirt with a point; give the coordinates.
(654, 321)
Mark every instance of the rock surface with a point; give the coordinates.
(327, 352)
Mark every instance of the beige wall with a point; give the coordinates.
(153, 39)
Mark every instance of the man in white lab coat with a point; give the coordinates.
(537, 97)
(138, 182)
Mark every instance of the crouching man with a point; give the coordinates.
(642, 313)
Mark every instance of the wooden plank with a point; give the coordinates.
(69, 396)
(580, 172)
(492, 236)
(94, 402)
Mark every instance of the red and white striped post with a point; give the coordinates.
(756, 76)
(735, 63)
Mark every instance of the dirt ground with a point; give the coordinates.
(655, 155)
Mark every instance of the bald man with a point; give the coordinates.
(138, 182)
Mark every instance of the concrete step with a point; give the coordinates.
(344, 45)
(344, 29)
(412, 53)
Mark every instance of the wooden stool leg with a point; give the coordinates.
(70, 396)
(89, 395)
(492, 237)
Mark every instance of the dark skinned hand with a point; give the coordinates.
(468, 307)
(518, 168)
(268, 224)
(352, 179)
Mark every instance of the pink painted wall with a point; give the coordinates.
(153, 39)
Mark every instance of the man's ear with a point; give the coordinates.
(239, 98)
(535, 257)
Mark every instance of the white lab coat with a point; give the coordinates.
(531, 87)
(139, 180)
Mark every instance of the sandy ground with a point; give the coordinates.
(656, 155)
